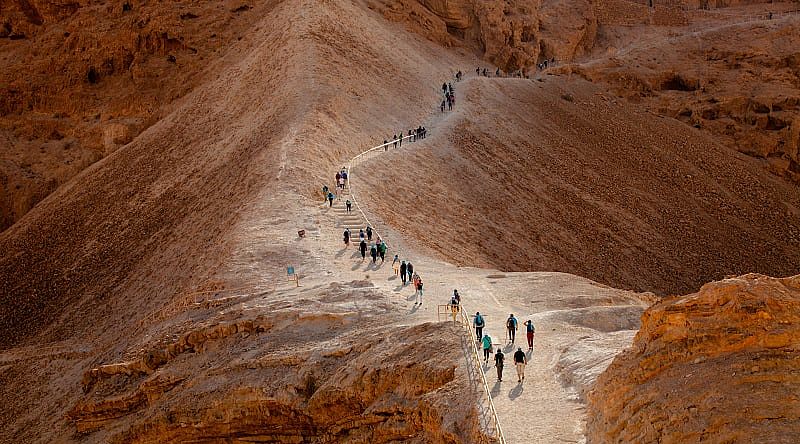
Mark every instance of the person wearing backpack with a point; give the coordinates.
(487, 348)
(331, 196)
(530, 330)
(346, 237)
(409, 270)
(349, 205)
(419, 290)
(479, 324)
(499, 357)
(369, 233)
(511, 326)
(373, 251)
(382, 250)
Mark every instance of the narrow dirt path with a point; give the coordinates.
(540, 409)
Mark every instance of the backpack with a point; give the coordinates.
(510, 323)
(479, 321)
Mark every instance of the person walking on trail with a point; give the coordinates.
(456, 296)
(442, 106)
(346, 236)
(396, 265)
(349, 205)
(385, 145)
(409, 269)
(331, 196)
(479, 324)
(382, 251)
(486, 342)
(530, 330)
(395, 141)
(418, 289)
(511, 326)
(360, 234)
(362, 247)
(402, 270)
(373, 252)
(369, 233)
(450, 104)
(338, 176)
(519, 361)
(499, 357)
(325, 190)
(400, 141)
(444, 88)
(341, 182)
(344, 176)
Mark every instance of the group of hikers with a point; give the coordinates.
(397, 139)
(449, 97)
(341, 183)
(376, 249)
(520, 358)
(405, 270)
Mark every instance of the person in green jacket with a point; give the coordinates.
(382, 250)
(487, 348)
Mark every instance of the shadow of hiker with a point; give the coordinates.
(356, 267)
(495, 389)
(414, 309)
(392, 278)
(341, 252)
(508, 347)
(515, 392)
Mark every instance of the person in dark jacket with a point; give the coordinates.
(498, 363)
(403, 269)
(363, 248)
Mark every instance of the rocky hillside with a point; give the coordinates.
(80, 79)
(558, 175)
(718, 366)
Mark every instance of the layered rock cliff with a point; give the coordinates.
(720, 365)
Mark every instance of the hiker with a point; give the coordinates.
(346, 237)
(362, 246)
(360, 234)
(450, 104)
(410, 135)
(331, 196)
(349, 205)
(373, 252)
(325, 190)
(395, 141)
(338, 176)
(444, 87)
(456, 296)
(499, 357)
(341, 182)
(409, 269)
(487, 348)
(442, 106)
(450, 86)
(403, 272)
(497, 72)
(479, 324)
(478, 71)
(400, 139)
(530, 330)
(344, 176)
(382, 250)
(511, 326)
(385, 145)
(419, 289)
(519, 361)
(369, 233)
(396, 265)
(454, 302)
(484, 73)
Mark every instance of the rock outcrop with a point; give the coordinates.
(81, 79)
(512, 35)
(716, 366)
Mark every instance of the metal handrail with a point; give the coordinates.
(463, 317)
(471, 333)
